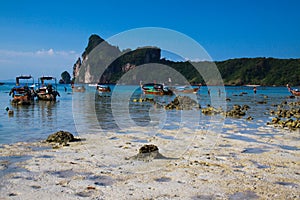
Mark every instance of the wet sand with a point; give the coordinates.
(198, 165)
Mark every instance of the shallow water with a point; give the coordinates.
(34, 122)
(81, 113)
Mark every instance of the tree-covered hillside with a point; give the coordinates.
(262, 71)
(242, 71)
(102, 62)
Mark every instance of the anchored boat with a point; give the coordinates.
(46, 90)
(294, 92)
(22, 93)
(156, 89)
(78, 88)
(103, 90)
(185, 89)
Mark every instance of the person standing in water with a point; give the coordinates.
(254, 90)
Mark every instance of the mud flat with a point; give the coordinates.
(194, 165)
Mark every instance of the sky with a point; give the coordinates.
(47, 37)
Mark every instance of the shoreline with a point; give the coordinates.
(205, 165)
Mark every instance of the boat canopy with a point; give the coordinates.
(26, 77)
(47, 78)
(43, 78)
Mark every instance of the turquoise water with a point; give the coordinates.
(36, 121)
(85, 112)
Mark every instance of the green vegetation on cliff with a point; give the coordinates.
(129, 60)
(262, 71)
(242, 71)
(107, 64)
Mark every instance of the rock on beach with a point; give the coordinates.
(61, 137)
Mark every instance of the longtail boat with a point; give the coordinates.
(21, 93)
(47, 91)
(103, 90)
(156, 89)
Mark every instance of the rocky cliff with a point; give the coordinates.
(104, 63)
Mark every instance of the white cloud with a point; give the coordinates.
(36, 63)
(43, 52)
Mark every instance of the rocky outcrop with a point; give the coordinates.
(209, 110)
(65, 78)
(61, 137)
(287, 115)
(76, 68)
(236, 112)
(148, 152)
(183, 103)
(128, 67)
(144, 100)
(102, 62)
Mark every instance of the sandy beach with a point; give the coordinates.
(184, 100)
(206, 166)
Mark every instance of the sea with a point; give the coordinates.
(127, 110)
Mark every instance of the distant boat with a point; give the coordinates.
(22, 94)
(103, 90)
(1, 83)
(78, 88)
(156, 89)
(185, 89)
(47, 91)
(294, 92)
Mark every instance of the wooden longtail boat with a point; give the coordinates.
(103, 90)
(185, 89)
(47, 91)
(156, 89)
(294, 92)
(21, 93)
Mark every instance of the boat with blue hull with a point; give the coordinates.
(156, 89)
(185, 89)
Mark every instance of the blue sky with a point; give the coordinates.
(46, 37)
